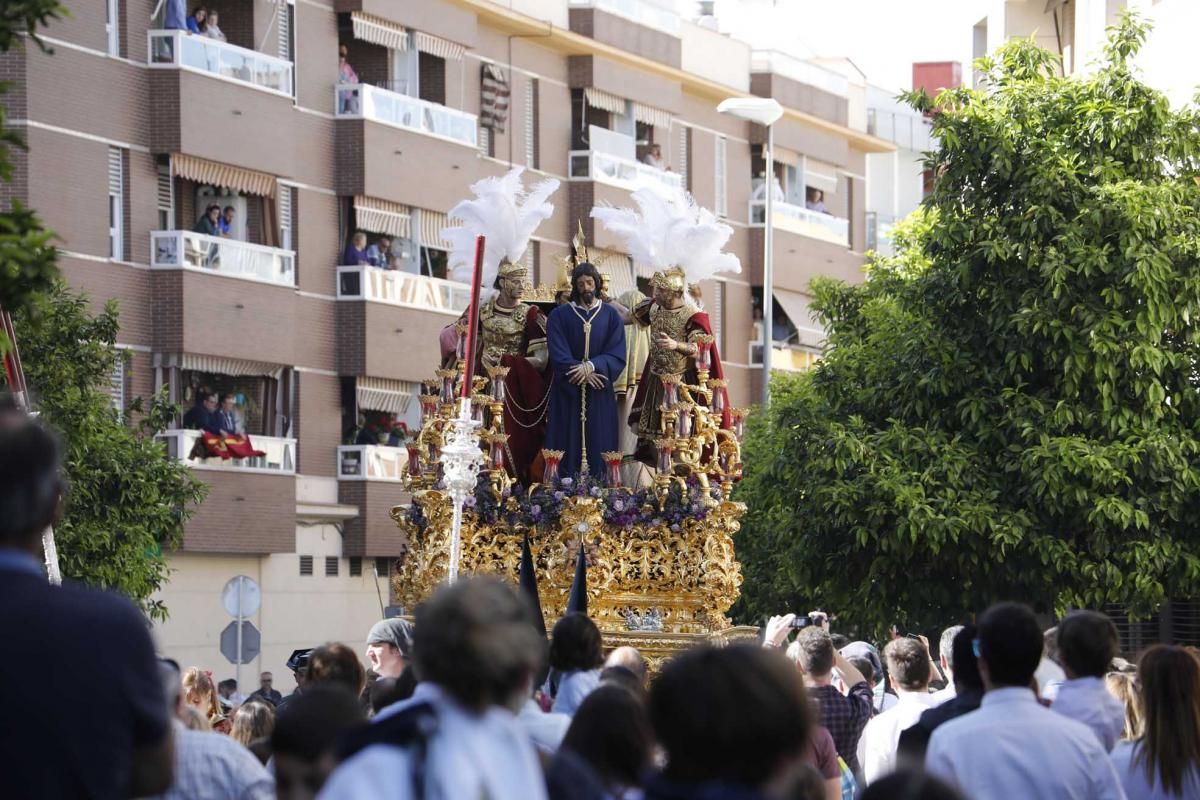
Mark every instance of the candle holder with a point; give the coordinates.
(717, 386)
(446, 395)
(497, 442)
(666, 453)
(552, 458)
(479, 404)
(498, 375)
(461, 460)
(414, 460)
(429, 404)
(704, 345)
(737, 418)
(670, 390)
(460, 342)
(683, 420)
(612, 468)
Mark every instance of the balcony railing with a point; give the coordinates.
(280, 458)
(639, 11)
(363, 101)
(228, 257)
(403, 289)
(879, 233)
(181, 49)
(371, 463)
(907, 131)
(798, 219)
(617, 171)
(805, 72)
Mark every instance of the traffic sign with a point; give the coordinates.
(250, 643)
(241, 597)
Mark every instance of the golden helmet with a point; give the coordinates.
(673, 279)
(510, 269)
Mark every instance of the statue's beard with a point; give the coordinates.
(586, 298)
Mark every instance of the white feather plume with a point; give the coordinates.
(505, 214)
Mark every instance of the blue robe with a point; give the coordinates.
(564, 336)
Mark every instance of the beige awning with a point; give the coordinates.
(796, 305)
(617, 266)
(382, 216)
(820, 175)
(781, 155)
(212, 173)
(384, 394)
(372, 29)
(435, 46)
(430, 225)
(652, 116)
(604, 101)
(218, 365)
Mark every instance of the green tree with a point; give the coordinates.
(127, 500)
(1008, 408)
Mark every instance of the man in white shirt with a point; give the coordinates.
(946, 658)
(908, 672)
(1013, 747)
(1087, 643)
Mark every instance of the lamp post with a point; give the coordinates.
(764, 111)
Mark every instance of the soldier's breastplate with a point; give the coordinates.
(503, 333)
(673, 324)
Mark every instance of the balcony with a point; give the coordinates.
(371, 463)
(280, 458)
(227, 257)
(179, 49)
(616, 171)
(369, 479)
(800, 220)
(879, 233)
(800, 71)
(403, 289)
(638, 11)
(363, 101)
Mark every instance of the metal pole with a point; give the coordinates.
(768, 267)
(237, 669)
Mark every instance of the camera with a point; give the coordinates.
(805, 620)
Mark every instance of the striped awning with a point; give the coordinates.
(494, 97)
(604, 101)
(430, 225)
(384, 394)
(797, 307)
(617, 266)
(652, 116)
(368, 28)
(217, 365)
(435, 46)
(820, 175)
(232, 178)
(382, 216)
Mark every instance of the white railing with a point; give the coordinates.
(800, 71)
(403, 289)
(228, 257)
(606, 168)
(181, 49)
(370, 462)
(908, 131)
(363, 101)
(280, 455)
(798, 219)
(639, 11)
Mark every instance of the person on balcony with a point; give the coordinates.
(356, 251)
(815, 200)
(380, 254)
(198, 20)
(203, 415)
(211, 29)
(346, 74)
(225, 223)
(210, 222)
(654, 158)
(229, 421)
(175, 16)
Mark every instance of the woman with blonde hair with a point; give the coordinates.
(1164, 763)
(200, 693)
(253, 723)
(1123, 686)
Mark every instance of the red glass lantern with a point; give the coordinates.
(551, 458)
(612, 468)
(414, 460)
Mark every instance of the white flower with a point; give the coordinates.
(582, 527)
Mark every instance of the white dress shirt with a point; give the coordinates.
(470, 755)
(880, 739)
(210, 765)
(546, 729)
(1013, 747)
(1133, 778)
(1090, 702)
(1049, 677)
(942, 695)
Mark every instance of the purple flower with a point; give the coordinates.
(559, 496)
(567, 481)
(618, 505)
(535, 509)
(469, 502)
(675, 527)
(596, 491)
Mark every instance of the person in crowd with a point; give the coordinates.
(211, 29)
(865, 659)
(225, 222)
(545, 729)
(175, 15)
(821, 754)
(229, 421)
(386, 691)
(1087, 643)
(209, 764)
(252, 725)
(968, 693)
(1012, 746)
(389, 647)
(200, 693)
(194, 719)
(228, 694)
(576, 655)
(95, 725)
(380, 253)
(631, 659)
(210, 221)
(266, 690)
(814, 200)
(203, 415)
(654, 157)
(1049, 675)
(197, 21)
(946, 662)
(356, 251)
(336, 663)
(1164, 762)
(845, 715)
(908, 665)
(809, 784)
(734, 723)
(476, 652)
(305, 738)
(1123, 686)
(913, 785)
(611, 733)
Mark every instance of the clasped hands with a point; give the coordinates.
(586, 373)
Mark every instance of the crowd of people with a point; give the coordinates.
(471, 700)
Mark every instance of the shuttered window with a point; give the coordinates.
(531, 123)
(685, 140)
(716, 313)
(485, 142)
(112, 26)
(721, 199)
(331, 566)
(116, 387)
(306, 565)
(166, 198)
(116, 210)
(287, 221)
(355, 566)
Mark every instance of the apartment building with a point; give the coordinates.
(134, 130)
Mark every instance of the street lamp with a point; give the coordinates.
(764, 111)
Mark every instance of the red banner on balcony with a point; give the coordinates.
(212, 445)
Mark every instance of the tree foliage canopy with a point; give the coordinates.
(126, 499)
(1008, 408)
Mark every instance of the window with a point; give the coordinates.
(531, 124)
(287, 219)
(721, 200)
(116, 211)
(487, 145)
(116, 387)
(685, 141)
(716, 313)
(355, 566)
(331, 566)
(306, 565)
(383, 567)
(112, 26)
(166, 198)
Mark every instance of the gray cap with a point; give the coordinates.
(396, 632)
(865, 650)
